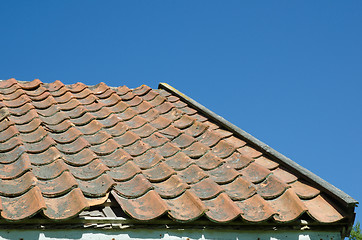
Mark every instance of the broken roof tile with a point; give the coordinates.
(167, 150)
(150, 95)
(184, 122)
(141, 90)
(183, 140)
(80, 158)
(105, 148)
(12, 155)
(116, 158)
(46, 157)
(173, 115)
(127, 139)
(137, 148)
(51, 170)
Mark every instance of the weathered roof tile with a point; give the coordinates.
(64, 148)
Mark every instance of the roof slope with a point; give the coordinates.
(64, 148)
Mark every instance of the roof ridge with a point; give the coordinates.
(303, 172)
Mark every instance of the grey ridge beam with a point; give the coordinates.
(339, 195)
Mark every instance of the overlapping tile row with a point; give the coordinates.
(64, 148)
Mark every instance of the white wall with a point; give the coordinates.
(127, 234)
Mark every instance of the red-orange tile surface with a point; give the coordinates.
(64, 148)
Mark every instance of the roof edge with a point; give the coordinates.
(303, 172)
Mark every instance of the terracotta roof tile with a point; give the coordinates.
(321, 210)
(15, 169)
(51, 170)
(209, 138)
(288, 206)
(23, 206)
(48, 156)
(303, 190)
(206, 189)
(285, 176)
(238, 161)
(255, 173)
(64, 148)
(271, 187)
(239, 189)
(66, 206)
(192, 174)
(186, 207)
(147, 207)
(148, 159)
(159, 173)
(223, 174)
(116, 158)
(170, 188)
(135, 187)
(97, 187)
(222, 209)
(255, 209)
(209, 161)
(57, 186)
(124, 172)
(17, 186)
(179, 161)
(265, 162)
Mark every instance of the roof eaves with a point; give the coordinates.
(303, 172)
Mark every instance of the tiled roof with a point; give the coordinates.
(64, 148)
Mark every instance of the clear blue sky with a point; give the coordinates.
(288, 72)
